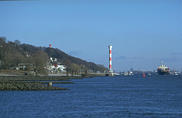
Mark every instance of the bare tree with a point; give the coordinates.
(40, 60)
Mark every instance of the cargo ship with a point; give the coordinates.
(163, 70)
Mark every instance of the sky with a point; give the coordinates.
(143, 33)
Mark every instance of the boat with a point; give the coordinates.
(163, 70)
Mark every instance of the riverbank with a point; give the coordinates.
(27, 86)
(24, 83)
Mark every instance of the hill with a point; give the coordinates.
(13, 54)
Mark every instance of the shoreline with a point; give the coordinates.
(31, 83)
(36, 83)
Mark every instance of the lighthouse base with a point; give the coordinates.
(110, 74)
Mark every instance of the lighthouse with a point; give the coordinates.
(50, 45)
(110, 58)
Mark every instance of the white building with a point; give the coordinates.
(55, 67)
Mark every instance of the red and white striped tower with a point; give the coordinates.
(110, 58)
(50, 45)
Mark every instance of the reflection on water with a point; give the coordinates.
(101, 97)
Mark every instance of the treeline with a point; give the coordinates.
(35, 58)
(13, 54)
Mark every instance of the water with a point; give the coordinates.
(100, 97)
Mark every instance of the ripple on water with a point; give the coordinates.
(108, 97)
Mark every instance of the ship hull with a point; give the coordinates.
(162, 72)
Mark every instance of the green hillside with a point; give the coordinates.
(13, 54)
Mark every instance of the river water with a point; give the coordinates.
(99, 97)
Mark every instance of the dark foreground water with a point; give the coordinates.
(106, 97)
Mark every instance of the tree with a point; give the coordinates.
(2, 40)
(17, 42)
(40, 60)
(2, 43)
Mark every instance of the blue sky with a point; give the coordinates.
(143, 32)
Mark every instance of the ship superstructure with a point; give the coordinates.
(163, 70)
